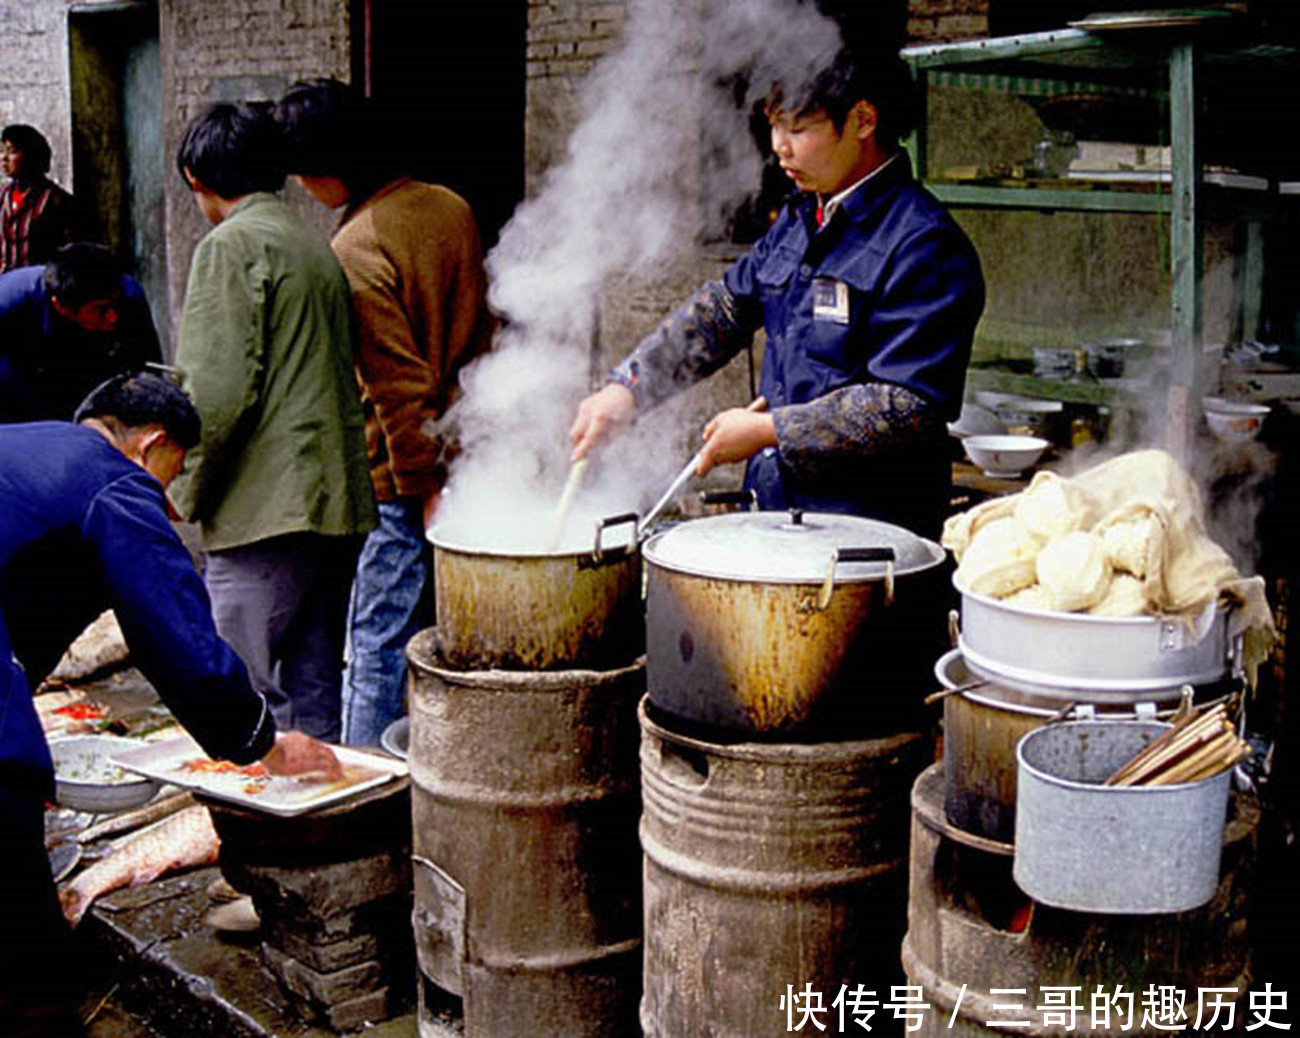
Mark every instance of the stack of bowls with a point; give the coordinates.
(1051, 362)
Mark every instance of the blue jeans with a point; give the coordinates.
(394, 576)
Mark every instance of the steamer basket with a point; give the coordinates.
(1062, 654)
(1138, 850)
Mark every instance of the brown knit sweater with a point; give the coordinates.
(414, 259)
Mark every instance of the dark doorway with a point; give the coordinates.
(117, 149)
(455, 87)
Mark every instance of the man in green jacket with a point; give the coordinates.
(279, 482)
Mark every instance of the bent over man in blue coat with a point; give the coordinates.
(83, 526)
(869, 294)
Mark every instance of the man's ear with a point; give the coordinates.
(863, 118)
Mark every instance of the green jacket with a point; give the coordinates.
(265, 351)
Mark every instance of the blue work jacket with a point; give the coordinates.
(82, 529)
(888, 291)
(48, 364)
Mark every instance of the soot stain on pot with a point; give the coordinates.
(686, 646)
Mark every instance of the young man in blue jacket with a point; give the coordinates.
(67, 326)
(84, 527)
(869, 294)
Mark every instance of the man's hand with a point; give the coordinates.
(600, 416)
(296, 753)
(736, 434)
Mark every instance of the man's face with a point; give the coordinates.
(163, 460)
(816, 156)
(95, 316)
(12, 161)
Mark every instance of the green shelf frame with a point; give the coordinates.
(1170, 63)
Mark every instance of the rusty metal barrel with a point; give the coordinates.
(526, 863)
(768, 865)
(972, 931)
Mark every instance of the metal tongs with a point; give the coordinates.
(682, 478)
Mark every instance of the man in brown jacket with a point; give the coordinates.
(413, 257)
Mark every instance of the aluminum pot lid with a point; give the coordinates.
(789, 548)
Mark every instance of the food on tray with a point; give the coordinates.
(86, 711)
(225, 767)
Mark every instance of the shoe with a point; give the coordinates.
(222, 892)
(237, 916)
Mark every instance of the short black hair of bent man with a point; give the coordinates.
(134, 400)
(234, 149)
(878, 76)
(31, 142)
(81, 272)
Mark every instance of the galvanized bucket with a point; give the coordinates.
(977, 946)
(1089, 847)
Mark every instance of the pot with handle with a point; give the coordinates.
(773, 623)
(539, 610)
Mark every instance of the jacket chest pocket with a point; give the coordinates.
(832, 323)
(775, 279)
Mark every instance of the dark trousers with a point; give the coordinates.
(41, 975)
(282, 603)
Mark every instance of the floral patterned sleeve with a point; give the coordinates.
(694, 341)
(824, 436)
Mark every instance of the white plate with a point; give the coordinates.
(277, 795)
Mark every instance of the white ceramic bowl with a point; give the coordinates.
(396, 738)
(1232, 421)
(86, 780)
(1004, 455)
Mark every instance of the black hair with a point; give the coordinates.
(879, 77)
(330, 129)
(82, 272)
(31, 142)
(234, 149)
(134, 400)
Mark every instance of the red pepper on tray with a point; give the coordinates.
(81, 711)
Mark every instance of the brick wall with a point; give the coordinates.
(222, 50)
(34, 76)
(941, 21)
(565, 38)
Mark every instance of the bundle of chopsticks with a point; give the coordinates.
(1199, 746)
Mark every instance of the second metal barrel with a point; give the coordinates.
(766, 866)
(526, 863)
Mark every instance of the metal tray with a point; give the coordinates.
(278, 795)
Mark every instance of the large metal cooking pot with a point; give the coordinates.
(541, 610)
(983, 721)
(1059, 654)
(775, 622)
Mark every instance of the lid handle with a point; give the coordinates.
(885, 555)
(745, 498)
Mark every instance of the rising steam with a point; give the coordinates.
(662, 151)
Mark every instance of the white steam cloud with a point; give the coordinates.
(662, 151)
